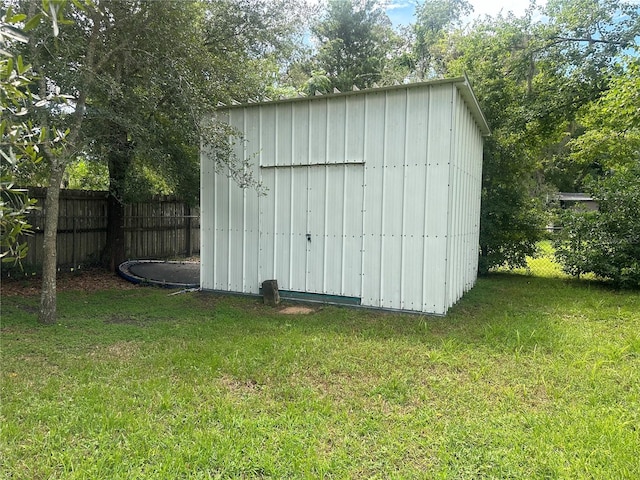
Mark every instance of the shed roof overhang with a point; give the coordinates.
(461, 83)
(464, 87)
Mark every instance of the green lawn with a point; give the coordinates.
(525, 378)
(544, 264)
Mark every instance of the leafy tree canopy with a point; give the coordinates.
(611, 138)
(354, 40)
(534, 78)
(434, 20)
(157, 69)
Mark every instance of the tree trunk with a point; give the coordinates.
(114, 253)
(58, 158)
(48, 303)
(120, 159)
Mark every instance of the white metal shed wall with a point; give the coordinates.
(373, 195)
(464, 203)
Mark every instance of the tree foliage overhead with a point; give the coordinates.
(159, 67)
(533, 79)
(606, 242)
(434, 20)
(142, 75)
(611, 124)
(252, 42)
(355, 39)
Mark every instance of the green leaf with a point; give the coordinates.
(33, 22)
(81, 5)
(18, 17)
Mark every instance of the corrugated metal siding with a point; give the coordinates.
(312, 244)
(208, 214)
(438, 158)
(311, 217)
(367, 197)
(464, 203)
(407, 166)
(229, 253)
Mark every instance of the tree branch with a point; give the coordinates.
(589, 40)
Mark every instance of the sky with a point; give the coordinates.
(401, 11)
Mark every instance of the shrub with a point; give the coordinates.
(605, 242)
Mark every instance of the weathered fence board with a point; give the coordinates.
(160, 228)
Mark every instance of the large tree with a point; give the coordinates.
(354, 39)
(510, 221)
(144, 74)
(147, 101)
(532, 78)
(59, 121)
(435, 19)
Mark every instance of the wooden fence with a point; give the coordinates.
(160, 228)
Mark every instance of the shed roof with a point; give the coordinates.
(462, 84)
(574, 197)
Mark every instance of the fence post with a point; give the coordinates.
(188, 231)
(175, 234)
(73, 243)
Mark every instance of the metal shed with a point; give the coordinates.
(373, 198)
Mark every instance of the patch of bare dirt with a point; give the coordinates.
(240, 387)
(296, 310)
(89, 280)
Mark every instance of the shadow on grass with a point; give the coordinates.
(502, 312)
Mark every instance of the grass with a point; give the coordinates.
(525, 378)
(544, 264)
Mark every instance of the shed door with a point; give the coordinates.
(311, 228)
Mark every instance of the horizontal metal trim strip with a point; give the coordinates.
(403, 86)
(336, 164)
(318, 297)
